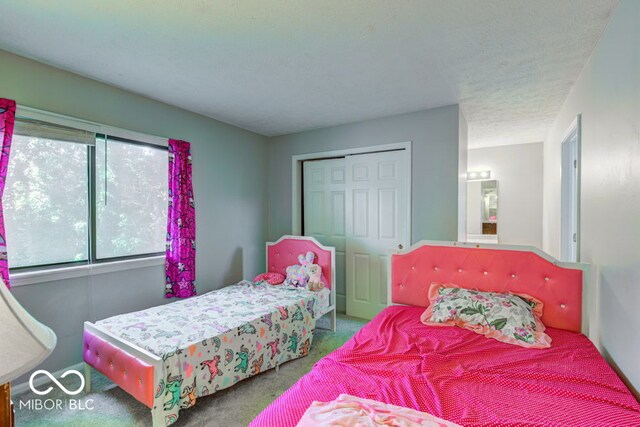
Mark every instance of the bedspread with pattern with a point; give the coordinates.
(210, 342)
(463, 377)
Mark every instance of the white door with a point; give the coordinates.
(377, 211)
(569, 198)
(323, 212)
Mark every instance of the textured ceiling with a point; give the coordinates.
(278, 67)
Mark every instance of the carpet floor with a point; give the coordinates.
(234, 406)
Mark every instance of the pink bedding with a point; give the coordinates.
(463, 377)
(349, 410)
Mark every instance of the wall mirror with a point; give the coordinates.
(482, 211)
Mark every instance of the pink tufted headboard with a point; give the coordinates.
(498, 269)
(285, 251)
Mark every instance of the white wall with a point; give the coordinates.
(229, 185)
(518, 169)
(463, 154)
(607, 94)
(435, 176)
(474, 207)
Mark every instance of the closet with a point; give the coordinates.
(360, 204)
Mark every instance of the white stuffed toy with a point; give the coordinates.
(297, 275)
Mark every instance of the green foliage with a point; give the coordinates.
(46, 201)
(133, 217)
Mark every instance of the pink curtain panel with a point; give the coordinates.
(181, 224)
(7, 119)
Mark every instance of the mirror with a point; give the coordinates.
(482, 211)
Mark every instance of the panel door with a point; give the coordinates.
(323, 212)
(377, 203)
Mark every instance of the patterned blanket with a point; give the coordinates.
(212, 341)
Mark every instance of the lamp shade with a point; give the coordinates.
(24, 342)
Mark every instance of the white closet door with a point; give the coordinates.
(324, 215)
(377, 203)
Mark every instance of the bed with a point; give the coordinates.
(168, 356)
(463, 377)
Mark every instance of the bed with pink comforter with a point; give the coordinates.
(463, 377)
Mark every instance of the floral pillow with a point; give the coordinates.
(510, 318)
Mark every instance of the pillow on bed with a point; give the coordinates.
(510, 318)
(270, 278)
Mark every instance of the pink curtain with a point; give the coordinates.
(7, 118)
(181, 224)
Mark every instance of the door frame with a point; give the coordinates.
(574, 129)
(296, 174)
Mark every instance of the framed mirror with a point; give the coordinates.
(482, 211)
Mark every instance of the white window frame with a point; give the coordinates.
(72, 122)
(29, 277)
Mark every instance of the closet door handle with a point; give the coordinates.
(400, 246)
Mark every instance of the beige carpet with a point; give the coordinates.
(235, 406)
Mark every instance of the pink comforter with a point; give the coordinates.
(463, 377)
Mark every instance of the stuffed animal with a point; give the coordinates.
(315, 275)
(297, 274)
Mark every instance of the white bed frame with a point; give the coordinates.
(156, 362)
(332, 297)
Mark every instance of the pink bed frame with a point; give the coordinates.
(498, 268)
(136, 370)
(284, 252)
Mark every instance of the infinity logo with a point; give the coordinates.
(56, 382)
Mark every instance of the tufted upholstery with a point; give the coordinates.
(285, 253)
(130, 373)
(560, 289)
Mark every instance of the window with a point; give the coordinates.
(76, 197)
(45, 201)
(131, 210)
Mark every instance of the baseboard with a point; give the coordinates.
(43, 379)
(625, 380)
(620, 374)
